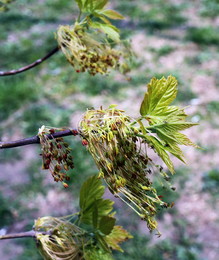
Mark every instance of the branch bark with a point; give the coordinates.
(36, 140)
(30, 233)
(30, 66)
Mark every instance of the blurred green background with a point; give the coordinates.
(175, 37)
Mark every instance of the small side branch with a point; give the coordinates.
(30, 66)
(30, 233)
(36, 140)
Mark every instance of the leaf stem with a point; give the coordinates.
(79, 16)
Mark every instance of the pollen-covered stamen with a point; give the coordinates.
(56, 155)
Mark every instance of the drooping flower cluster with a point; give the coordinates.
(85, 52)
(55, 154)
(122, 160)
(59, 239)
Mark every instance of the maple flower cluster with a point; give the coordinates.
(59, 239)
(84, 51)
(55, 154)
(122, 160)
(119, 145)
(89, 234)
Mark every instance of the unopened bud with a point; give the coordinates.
(84, 142)
(74, 132)
(65, 185)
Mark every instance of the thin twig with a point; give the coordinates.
(30, 66)
(30, 233)
(36, 140)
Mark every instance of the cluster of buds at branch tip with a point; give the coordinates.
(84, 142)
(56, 154)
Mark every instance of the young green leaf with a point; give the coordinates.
(95, 254)
(159, 95)
(100, 4)
(91, 191)
(95, 215)
(184, 140)
(165, 121)
(160, 149)
(102, 243)
(92, 205)
(168, 132)
(106, 224)
(101, 17)
(111, 14)
(80, 3)
(117, 236)
(111, 31)
(86, 3)
(174, 126)
(89, 6)
(174, 149)
(104, 208)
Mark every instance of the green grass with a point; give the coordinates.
(14, 22)
(15, 93)
(211, 115)
(6, 214)
(24, 50)
(140, 248)
(213, 107)
(29, 250)
(211, 181)
(164, 50)
(209, 8)
(204, 55)
(43, 114)
(97, 84)
(203, 35)
(9, 156)
(139, 79)
(185, 94)
(48, 10)
(152, 18)
(35, 178)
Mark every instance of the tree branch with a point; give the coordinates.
(30, 66)
(30, 233)
(36, 140)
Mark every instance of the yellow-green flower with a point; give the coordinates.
(122, 160)
(86, 51)
(58, 239)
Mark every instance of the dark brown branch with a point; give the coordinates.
(36, 140)
(30, 233)
(30, 66)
